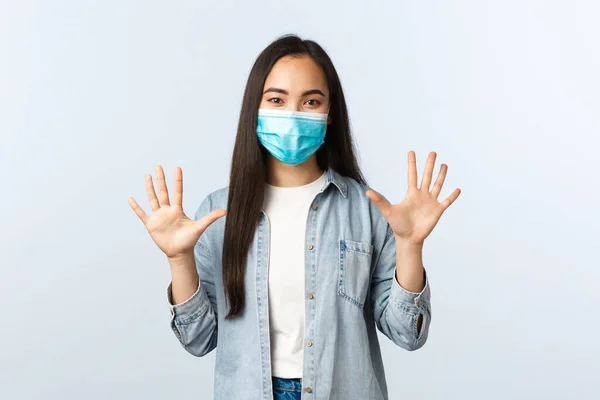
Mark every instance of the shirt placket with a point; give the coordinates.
(262, 290)
(310, 257)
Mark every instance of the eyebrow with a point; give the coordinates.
(278, 90)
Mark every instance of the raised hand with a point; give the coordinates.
(173, 232)
(414, 218)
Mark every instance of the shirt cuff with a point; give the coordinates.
(190, 308)
(411, 301)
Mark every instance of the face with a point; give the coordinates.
(296, 84)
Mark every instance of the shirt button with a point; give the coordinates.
(308, 390)
(309, 343)
(310, 296)
(314, 206)
(310, 246)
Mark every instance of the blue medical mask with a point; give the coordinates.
(291, 136)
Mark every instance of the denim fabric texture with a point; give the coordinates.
(287, 389)
(350, 293)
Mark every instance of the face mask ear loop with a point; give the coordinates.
(328, 109)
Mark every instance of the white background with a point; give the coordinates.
(94, 94)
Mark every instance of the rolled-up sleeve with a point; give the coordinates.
(396, 310)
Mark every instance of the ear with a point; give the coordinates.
(329, 119)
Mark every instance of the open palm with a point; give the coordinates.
(172, 231)
(417, 214)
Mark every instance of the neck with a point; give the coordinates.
(283, 175)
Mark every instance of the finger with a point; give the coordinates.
(412, 169)
(448, 202)
(428, 172)
(178, 187)
(137, 209)
(151, 193)
(439, 182)
(381, 203)
(209, 218)
(163, 193)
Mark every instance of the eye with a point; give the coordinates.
(275, 100)
(313, 102)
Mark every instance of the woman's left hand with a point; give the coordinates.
(414, 218)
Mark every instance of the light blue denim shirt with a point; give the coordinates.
(350, 289)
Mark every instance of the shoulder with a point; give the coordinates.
(214, 200)
(363, 206)
(218, 198)
(211, 241)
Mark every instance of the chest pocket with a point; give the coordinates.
(354, 271)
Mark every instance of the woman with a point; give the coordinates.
(293, 283)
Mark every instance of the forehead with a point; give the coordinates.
(296, 73)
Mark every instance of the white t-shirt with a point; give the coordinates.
(287, 209)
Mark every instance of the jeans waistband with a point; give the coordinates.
(294, 384)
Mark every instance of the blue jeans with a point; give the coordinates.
(287, 389)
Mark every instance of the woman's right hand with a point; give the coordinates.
(173, 232)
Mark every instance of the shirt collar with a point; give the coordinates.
(338, 180)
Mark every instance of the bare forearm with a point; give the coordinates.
(184, 277)
(409, 265)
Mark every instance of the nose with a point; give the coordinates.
(295, 105)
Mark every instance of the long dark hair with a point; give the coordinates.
(249, 160)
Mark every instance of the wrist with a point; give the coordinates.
(408, 243)
(182, 260)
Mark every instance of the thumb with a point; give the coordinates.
(208, 219)
(380, 202)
